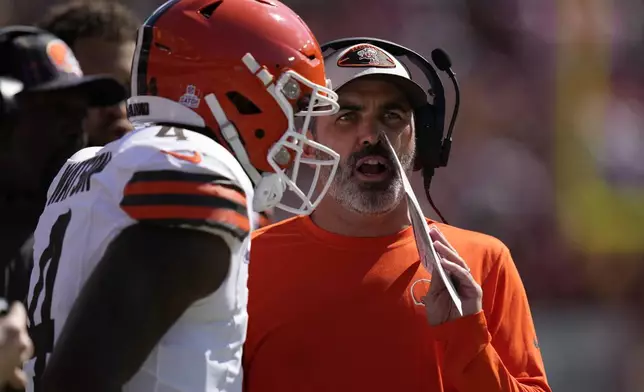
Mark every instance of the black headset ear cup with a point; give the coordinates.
(428, 138)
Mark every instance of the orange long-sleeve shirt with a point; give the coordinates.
(336, 313)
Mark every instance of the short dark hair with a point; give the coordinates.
(105, 19)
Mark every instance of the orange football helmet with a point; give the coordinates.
(244, 70)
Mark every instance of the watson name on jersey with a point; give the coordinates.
(161, 175)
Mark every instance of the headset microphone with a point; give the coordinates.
(443, 63)
(441, 60)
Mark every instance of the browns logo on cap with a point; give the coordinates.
(365, 55)
(62, 57)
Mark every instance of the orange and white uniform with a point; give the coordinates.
(149, 176)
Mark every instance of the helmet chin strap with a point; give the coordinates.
(231, 135)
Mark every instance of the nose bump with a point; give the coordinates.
(369, 134)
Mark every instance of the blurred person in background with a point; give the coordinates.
(15, 345)
(340, 301)
(45, 97)
(102, 36)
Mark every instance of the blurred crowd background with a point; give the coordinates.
(548, 154)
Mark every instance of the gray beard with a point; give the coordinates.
(367, 198)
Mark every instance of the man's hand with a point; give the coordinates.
(15, 347)
(438, 304)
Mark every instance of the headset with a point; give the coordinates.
(432, 149)
(10, 87)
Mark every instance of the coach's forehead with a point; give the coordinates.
(372, 88)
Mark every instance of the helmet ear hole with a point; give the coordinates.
(267, 2)
(243, 105)
(208, 10)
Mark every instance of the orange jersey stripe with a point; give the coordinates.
(222, 215)
(182, 187)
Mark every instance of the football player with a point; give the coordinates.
(141, 253)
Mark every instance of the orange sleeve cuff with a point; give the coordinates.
(461, 341)
(473, 324)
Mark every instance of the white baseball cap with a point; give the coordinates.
(365, 59)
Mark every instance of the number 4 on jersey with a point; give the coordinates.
(43, 333)
(176, 133)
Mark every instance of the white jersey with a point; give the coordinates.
(168, 176)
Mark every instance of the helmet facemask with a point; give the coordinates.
(293, 149)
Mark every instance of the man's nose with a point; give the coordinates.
(368, 132)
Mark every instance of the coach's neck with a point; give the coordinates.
(334, 218)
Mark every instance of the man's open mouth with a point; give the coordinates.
(373, 168)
